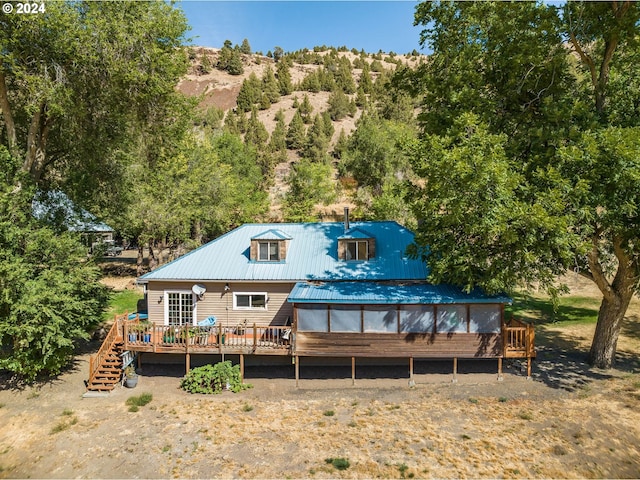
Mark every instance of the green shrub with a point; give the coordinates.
(214, 379)
(140, 401)
(338, 463)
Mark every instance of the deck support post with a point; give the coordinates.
(296, 360)
(139, 360)
(353, 370)
(500, 377)
(455, 370)
(187, 361)
(528, 368)
(412, 382)
(242, 367)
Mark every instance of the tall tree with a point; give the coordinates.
(552, 187)
(78, 82)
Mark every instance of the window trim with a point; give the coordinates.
(356, 242)
(250, 307)
(268, 243)
(194, 304)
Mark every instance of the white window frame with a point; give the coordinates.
(357, 243)
(269, 243)
(194, 313)
(250, 294)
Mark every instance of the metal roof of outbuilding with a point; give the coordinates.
(312, 255)
(384, 293)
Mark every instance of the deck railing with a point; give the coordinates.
(185, 338)
(518, 339)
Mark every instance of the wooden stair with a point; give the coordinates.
(105, 367)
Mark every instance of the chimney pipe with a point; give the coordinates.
(346, 219)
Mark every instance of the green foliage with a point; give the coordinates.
(230, 59)
(554, 148)
(338, 463)
(134, 403)
(309, 184)
(270, 87)
(305, 109)
(257, 134)
(250, 93)
(296, 132)
(50, 295)
(245, 47)
(317, 142)
(214, 379)
(338, 105)
(285, 86)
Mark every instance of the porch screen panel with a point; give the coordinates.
(313, 318)
(416, 319)
(345, 318)
(452, 319)
(381, 319)
(484, 318)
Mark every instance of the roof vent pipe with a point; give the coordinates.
(346, 219)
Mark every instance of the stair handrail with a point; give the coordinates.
(109, 340)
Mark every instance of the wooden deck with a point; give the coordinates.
(515, 340)
(254, 340)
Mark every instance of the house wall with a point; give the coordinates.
(439, 345)
(219, 303)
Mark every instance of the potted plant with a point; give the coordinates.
(140, 331)
(130, 377)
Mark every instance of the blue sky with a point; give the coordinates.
(292, 25)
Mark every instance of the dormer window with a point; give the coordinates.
(356, 245)
(269, 246)
(357, 250)
(268, 251)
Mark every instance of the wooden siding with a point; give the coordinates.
(463, 345)
(216, 302)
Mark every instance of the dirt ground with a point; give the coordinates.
(568, 421)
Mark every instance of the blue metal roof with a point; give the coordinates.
(355, 233)
(312, 255)
(385, 293)
(271, 234)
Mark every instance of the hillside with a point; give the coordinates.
(218, 88)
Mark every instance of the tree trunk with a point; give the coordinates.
(153, 261)
(140, 259)
(605, 339)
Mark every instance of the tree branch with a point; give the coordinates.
(597, 272)
(5, 107)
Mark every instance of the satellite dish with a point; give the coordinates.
(199, 290)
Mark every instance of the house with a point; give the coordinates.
(302, 290)
(56, 209)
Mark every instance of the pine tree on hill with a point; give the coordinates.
(250, 93)
(305, 109)
(285, 87)
(296, 133)
(278, 141)
(257, 134)
(316, 143)
(270, 86)
(245, 47)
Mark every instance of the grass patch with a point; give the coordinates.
(571, 310)
(63, 425)
(247, 407)
(338, 463)
(135, 403)
(329, 413)
(67, 413)
(503, 399)
(120, 302)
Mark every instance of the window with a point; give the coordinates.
(250, 301)
(452, 319)
(381, 319)
(345, 318)
(484, 318)
(416, 319)
(313, 318)
(179, 308)
(268, 251)
(357, 250)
